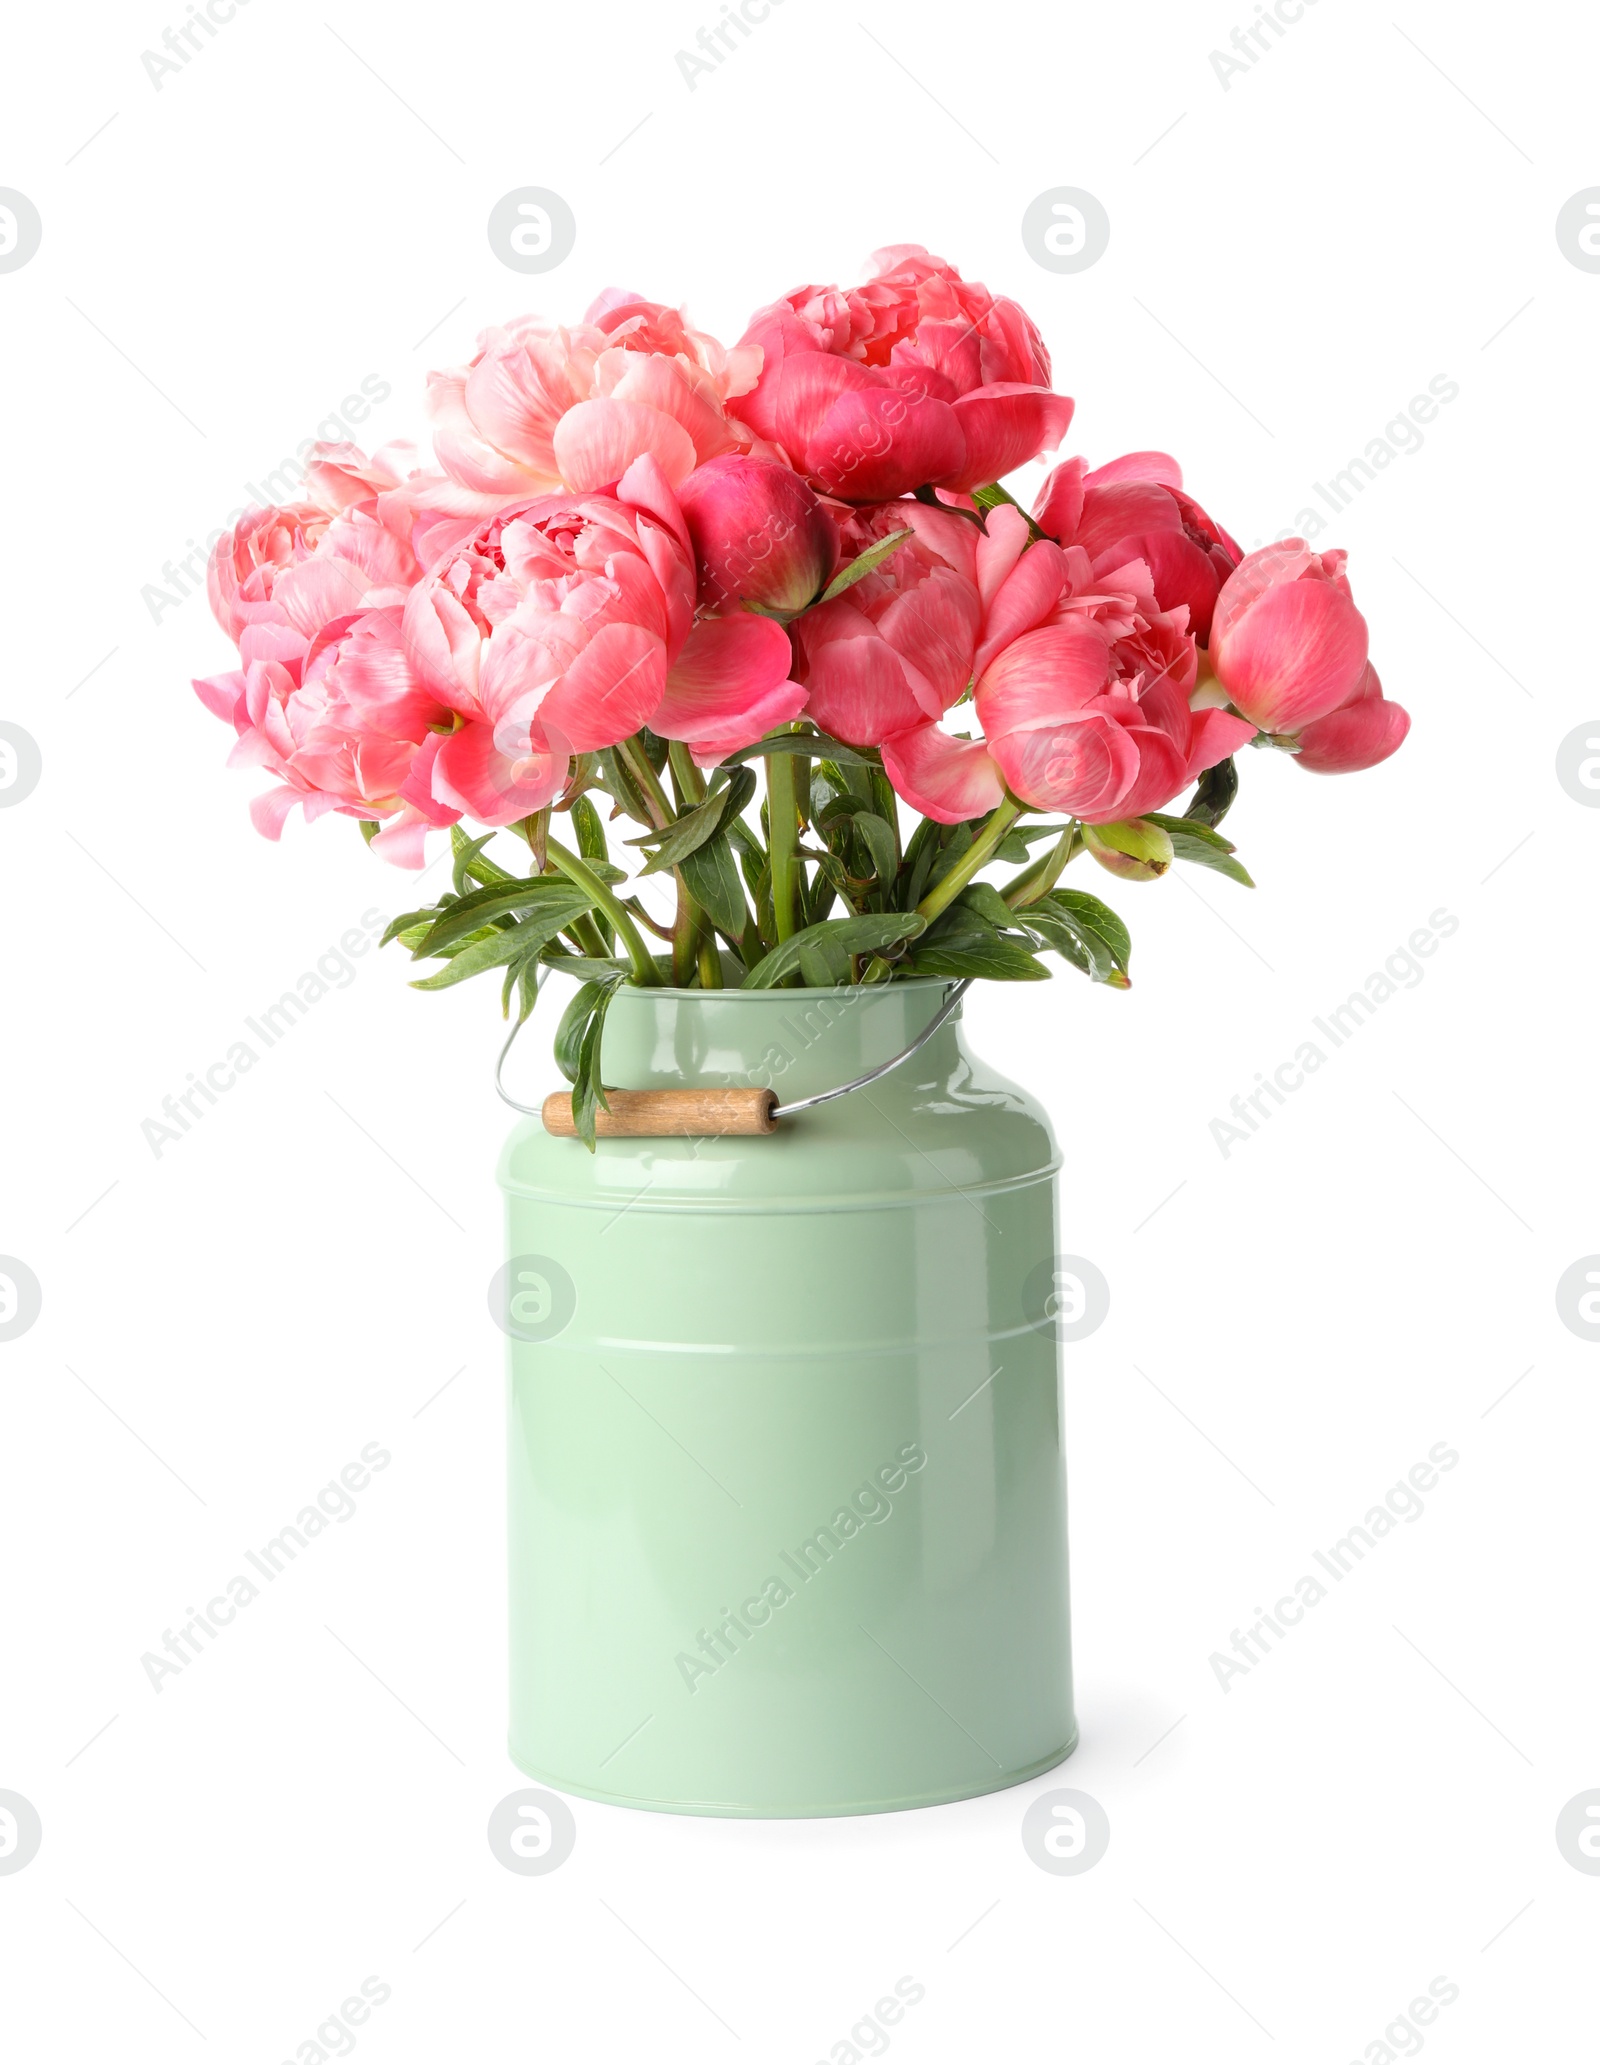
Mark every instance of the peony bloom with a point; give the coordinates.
(917, 377)
(1083, 692)
(759, 533)
(897, 648)
(341, 727)
(541, 408)
(1287, 642)
(1135, 508)
(564, 625)
(281, 574)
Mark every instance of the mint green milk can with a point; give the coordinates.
(787, 1492)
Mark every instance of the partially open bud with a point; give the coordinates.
(760, 534)
(1131, 847)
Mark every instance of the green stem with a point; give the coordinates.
(685, 936)
(691, 782)
(1039, 879)
(710, 961)
(589, 936)
(644, 969)
(649, 781)
(978, 854)
(783, 837)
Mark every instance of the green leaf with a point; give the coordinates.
(688, 833)
(868, 562)
(1196, 842)
(1084, 931)
(878, 838)
(711, 875)
(985, 902)
(577, 1050)
(480, 907)
(581, 967)
(590, 830)
(528, 939)
(864, 935)
(410, 921)
(1214, 794)
(983, 953)
(470, 863)
(814, 744)
(574, 1024)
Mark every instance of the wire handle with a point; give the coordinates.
(780, 1111)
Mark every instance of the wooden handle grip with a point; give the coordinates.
(658, 1114)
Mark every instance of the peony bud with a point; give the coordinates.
(1133, 848)
(760, 535)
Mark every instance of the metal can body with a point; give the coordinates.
(787, 1492)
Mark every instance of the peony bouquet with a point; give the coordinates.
(646, 570)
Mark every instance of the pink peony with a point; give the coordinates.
(1082, 690)
(561, 627)
(1135, 508)
(541, 408)
(340, 727)
(917, 377)
(282, 573)
(1289, 648)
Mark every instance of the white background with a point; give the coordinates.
(224, 1326)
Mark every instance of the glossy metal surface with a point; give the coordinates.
(787, 1500)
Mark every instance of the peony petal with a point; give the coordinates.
(859, 690)
(732, 672)
(471, 773)
(609, 690)
(222, 694)
(1358, 736)
(947, 779)
(268, 812)
(1296, 653)
(1005, 426)
(1042, 678)
(1213, 735)
(1059, 509)
(1085, 766)
(873, 443)
(1160, 467)
(1024, 599)
(598, 441)
(1184, 576)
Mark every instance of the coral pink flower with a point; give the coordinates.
(1135, 508)
(916, 377)
(541, 408)
(340, 727)
(561, 627)
(900, 646)
(1287, 642)
(1083, 692)
(760, 534)
(282, 573)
